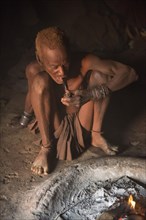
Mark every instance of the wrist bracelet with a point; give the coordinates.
(100, 92)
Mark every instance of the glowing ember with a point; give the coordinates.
(131, 202)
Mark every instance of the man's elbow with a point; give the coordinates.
(133, 75)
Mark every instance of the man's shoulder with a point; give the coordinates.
(90, 61)
(78, 56)
(34, 66)
(91, 56)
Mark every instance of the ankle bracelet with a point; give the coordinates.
(46, 146)
(99, 132)
(27, 114)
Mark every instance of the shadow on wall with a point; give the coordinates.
(125, 107)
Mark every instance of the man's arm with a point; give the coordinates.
(121, 75)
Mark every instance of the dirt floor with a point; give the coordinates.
(124, 125)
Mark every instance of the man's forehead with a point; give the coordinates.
(56, 55)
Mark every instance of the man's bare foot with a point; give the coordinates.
(99, 141)
(42, 163)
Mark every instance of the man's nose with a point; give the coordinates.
(61, 70)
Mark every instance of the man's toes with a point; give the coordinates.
(46, 171)
(108, 151)
(33, 168)
(111, 152)
(114, 148)
(39, 170)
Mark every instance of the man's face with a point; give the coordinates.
(55, 62)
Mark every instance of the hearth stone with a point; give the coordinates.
(98, 197)
(64, 189)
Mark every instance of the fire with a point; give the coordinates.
(131, 202)
(131, 210)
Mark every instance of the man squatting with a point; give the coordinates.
(69, 108)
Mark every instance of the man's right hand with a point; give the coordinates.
(73, 100)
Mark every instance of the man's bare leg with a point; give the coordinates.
(22, 121)
(31, 71)
(96, 133)
(91, 117)
(40, 98)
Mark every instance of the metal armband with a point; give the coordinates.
(25, 119)
(99, 92)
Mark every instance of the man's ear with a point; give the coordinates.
(38, 58)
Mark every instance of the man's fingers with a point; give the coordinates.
(65, 101)
(78, 92)
(73, 101)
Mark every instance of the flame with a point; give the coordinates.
(131, 202)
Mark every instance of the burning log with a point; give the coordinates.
(130, 210)
(110, 216)
(135, 217)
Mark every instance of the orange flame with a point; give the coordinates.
(131, 202)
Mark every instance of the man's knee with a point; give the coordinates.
(40, 83)
(31, 70)
(97, 78)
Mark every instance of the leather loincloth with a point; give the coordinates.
(70, 139)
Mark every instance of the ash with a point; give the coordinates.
(99, 197)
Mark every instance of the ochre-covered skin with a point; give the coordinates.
(46, 97)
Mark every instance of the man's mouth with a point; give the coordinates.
(59, 80)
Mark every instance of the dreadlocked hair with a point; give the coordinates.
(52, 37)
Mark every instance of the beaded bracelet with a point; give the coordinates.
(99, 92)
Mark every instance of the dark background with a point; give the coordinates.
(97, 26)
